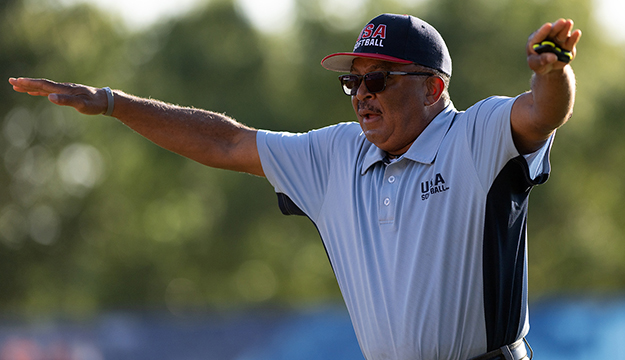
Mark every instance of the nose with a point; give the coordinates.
(363, 92)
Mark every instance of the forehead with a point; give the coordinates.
(365, 65)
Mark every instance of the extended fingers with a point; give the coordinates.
(21, 86)
(37, 87)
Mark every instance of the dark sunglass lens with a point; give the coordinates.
(375, 81)
(350, 84)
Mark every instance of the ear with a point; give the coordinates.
(435, 87)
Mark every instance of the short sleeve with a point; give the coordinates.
(539, 164)
(298, 165)
(489, 136)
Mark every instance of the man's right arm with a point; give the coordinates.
(209, 138)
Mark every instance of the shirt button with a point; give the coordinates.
(387, 201)
(391, 179)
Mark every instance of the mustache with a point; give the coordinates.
(365, 106)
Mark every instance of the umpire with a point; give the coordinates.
(422, 208)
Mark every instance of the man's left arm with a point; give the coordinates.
(539, 112)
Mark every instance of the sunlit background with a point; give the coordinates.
(111, 248)
(275, 15)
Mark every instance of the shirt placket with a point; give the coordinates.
(388, 193)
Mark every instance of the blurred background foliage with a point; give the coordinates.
(93, 217)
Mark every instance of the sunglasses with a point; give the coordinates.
(374, 81)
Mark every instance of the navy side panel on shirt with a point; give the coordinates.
(287, 206)
(505, 244)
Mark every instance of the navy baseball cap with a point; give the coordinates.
(402, 39)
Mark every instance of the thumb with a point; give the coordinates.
(54, 98)
(68, 100)
(542, 63)
(62, 99)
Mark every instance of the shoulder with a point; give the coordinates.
(339, 131)
(491, 105)
(329, 137)
(329, 132)
(489, 116)
(324, 142)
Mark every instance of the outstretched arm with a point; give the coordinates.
(209, 138)
(539, 112)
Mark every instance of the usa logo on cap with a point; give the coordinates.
(370, 37)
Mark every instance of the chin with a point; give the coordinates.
(372, 136)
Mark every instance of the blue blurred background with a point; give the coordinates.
(561, 329)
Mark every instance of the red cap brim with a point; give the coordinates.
(343, 61)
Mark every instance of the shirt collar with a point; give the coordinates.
(424, 148)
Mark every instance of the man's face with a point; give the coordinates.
(393, 118)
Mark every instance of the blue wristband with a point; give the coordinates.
(111, 101)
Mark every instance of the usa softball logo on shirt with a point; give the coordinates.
(433, 186)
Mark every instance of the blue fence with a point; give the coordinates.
(571, 329)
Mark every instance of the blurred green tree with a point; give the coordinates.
(49, 168)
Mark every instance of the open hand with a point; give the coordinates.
(559, 32)
(86, 99)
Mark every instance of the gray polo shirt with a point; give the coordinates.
(429, 250)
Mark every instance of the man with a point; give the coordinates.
(422, 209)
